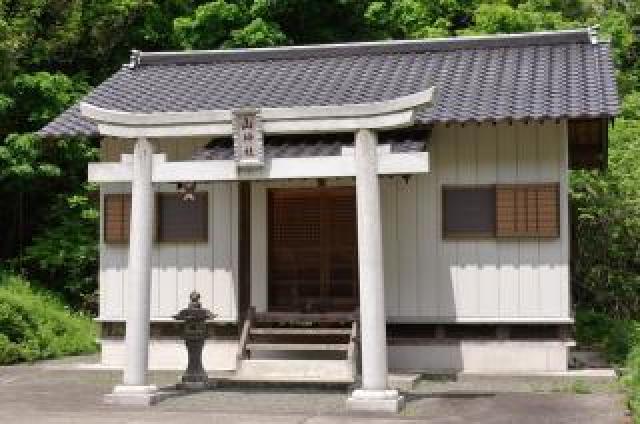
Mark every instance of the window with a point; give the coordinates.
(527, 210)
(117, 208)
(182, 221)
(469, 212)
(503, 210)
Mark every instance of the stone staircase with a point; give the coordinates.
(298, 348)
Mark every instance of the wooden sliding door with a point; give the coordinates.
(312, 244)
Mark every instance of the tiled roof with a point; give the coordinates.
(564, 74)
(291, 146)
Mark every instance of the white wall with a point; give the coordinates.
(430, 279)
(178, 268)
(427, 279)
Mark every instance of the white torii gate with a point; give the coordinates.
(144, 168)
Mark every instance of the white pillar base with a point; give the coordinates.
(375, 401)
(133, 395)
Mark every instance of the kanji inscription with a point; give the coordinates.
(248, 138)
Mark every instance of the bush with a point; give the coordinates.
(605, 262)
(614, 337)
(632, 381)
(36, 325)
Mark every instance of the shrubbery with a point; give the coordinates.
(36, 325)
(615, 338)
(632, 382)
(619, 340)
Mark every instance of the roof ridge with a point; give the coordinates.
(573, 36)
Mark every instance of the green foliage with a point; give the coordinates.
(209, 25)
(22, 161)
(65, 254)
(312, 21)
(606, 208)
(528, 16)
(257, 34)
(42, 97)
(418, 18)
(632, 382)
(35, 325)
(614, 337)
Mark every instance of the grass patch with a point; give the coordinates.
(35, 325)
(581, 387)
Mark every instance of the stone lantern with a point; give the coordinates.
(194, 333)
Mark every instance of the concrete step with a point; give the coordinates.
(296, 346)
(286, 370)
(300, 331)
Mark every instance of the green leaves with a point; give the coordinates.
(258, 33)
(65, 253)
(209, 26)
(606, 206)
(21, 161)
(525, 17)
(42, 96)
(36, 325)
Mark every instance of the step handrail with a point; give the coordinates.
(244, 336)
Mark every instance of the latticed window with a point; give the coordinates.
(529, 210)
(117, 210)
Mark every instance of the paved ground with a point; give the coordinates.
(46, 394)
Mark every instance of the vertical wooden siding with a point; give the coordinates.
(426, 278)
(178, 268)
(429, 278)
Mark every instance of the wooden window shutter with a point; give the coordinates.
(527, 210)
(182, 221)
(117, 211)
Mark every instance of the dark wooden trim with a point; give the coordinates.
(588, 140)
(246, 333)
(424, 334)
(295, 317)
(168, 329)
(397, 334)
(244, 248)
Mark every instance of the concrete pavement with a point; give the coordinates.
(43, 394)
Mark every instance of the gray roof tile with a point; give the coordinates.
(549, 75)
(291, 146)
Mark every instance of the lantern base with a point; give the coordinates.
(195, 385)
